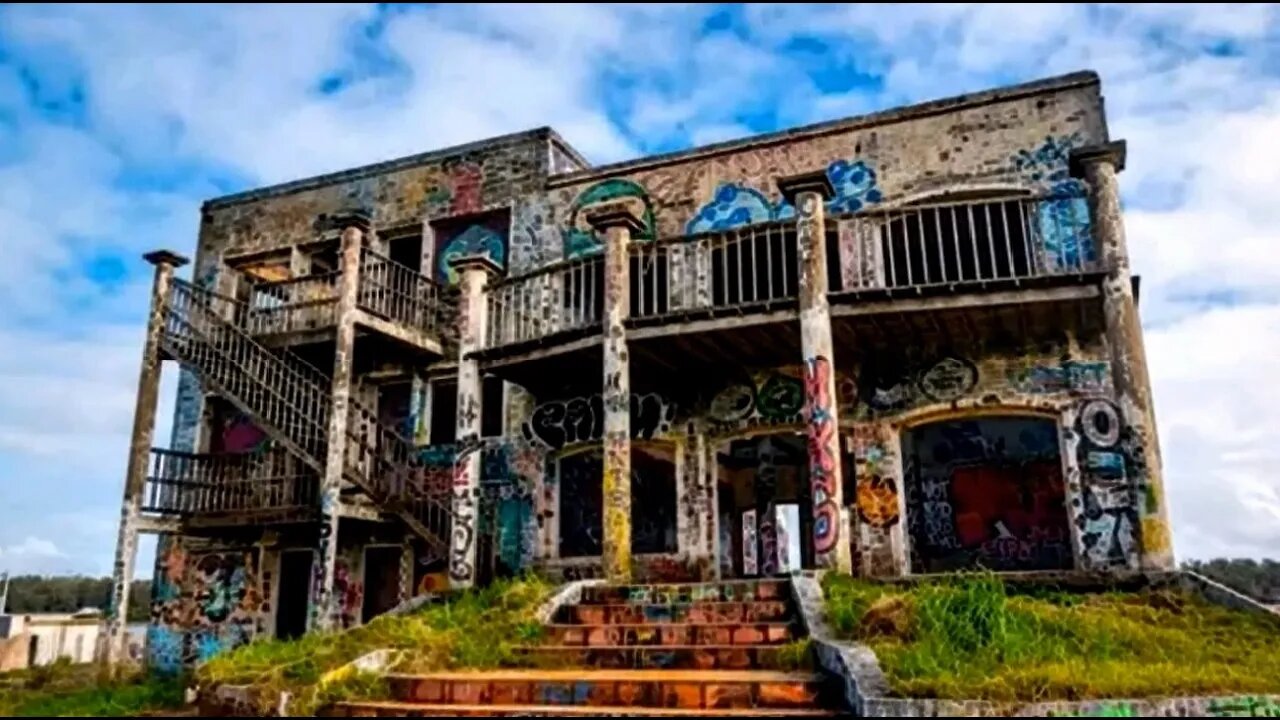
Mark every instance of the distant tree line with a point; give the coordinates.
(1259, 580)
(36, 594)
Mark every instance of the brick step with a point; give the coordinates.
(666, 594)
(685, 657)
(694, 612)
(400, 709)
(746, 633)
(648, 688)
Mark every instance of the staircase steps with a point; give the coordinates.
(599, 692)
(700, 612)
(400, 709)
(675, 657)
(669, 634)
(718, 650)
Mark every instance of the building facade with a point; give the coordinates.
(900, 343)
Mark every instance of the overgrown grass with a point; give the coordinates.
(971, 637)
(66, 690)
(476, 629)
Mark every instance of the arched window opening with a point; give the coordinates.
(986, 493)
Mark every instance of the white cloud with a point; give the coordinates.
(31, 547)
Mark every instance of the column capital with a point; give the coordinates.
(614, 215)
(357, 218)
(476, 261)
(1109, 152)
(165, 257)
(816, 182)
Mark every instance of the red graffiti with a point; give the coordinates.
(465, 181)
(822, 462)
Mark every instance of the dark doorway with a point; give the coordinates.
(763, 495)
(381, 580)
(986, 493)
(653, 502)
(295, 592)
(406, 250)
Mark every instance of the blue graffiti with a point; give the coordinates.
(475, 240)
(164, 650)
(732, 206)
(1063, 217)
(854, 184)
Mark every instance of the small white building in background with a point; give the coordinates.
(32, 639)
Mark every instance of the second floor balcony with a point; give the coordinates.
(392, 299)
(977, 251)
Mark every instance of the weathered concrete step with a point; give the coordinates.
(695, 613)
(743, 633)
(649, 688)
(400, 709)
(685, 657)
(727, 591)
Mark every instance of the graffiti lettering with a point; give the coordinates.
(560, 423)
(1068, 376)
(1100, 423)
(951, 378)
(822, 454)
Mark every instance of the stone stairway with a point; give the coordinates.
(720, 649)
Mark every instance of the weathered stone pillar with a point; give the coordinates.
(323, 602)
(474, 271)
(144, 423)
(1098, 165)
(617, 222)
(807, 193)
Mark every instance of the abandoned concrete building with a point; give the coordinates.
(899, 343)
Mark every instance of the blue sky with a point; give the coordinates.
(115, 122)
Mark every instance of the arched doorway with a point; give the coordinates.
(986, 492)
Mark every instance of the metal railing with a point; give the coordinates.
(187, 484)
(399, 293)
(972, 242)
(568, 295)
(291, 401)
(278, 388)
(732, 269)
(309, 302)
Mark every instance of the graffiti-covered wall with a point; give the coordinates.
(1017, 137)
(204, 600)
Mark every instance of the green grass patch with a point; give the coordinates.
(972, 637)
(66, 690)
(475, 629)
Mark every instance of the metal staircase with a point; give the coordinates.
(290, 400)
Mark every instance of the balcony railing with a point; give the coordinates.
(961, 243)
(309, 302)
(189, 484)
(388, 289)
(566, 296)
(400, 294)
(740, 269)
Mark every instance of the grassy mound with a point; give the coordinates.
(971, 637)
(474, 630)
(66, 690)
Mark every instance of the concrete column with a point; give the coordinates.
(807, 193)
(144, 423)
(1099, 165)
(474, 271)
(324, 608)
(407, 590)
(617, 222)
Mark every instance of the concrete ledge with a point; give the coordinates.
(568, 594)
(866, 690)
